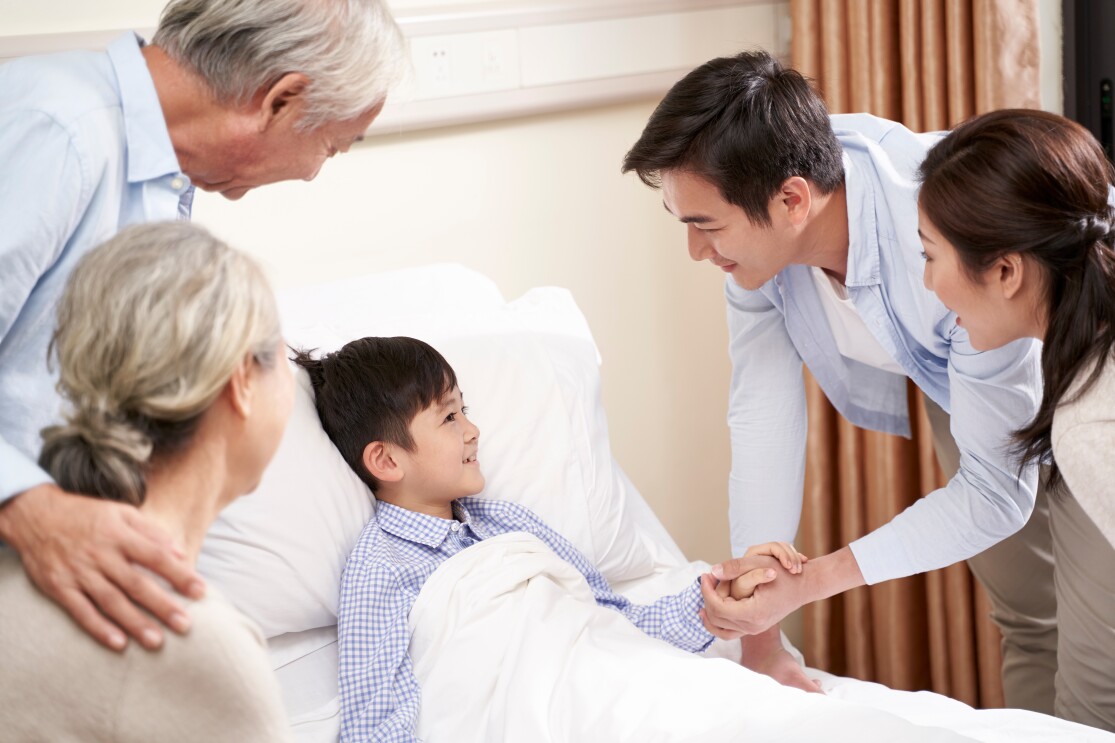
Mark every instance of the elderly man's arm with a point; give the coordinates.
(81, 552)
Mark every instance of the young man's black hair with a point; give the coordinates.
(746, 125)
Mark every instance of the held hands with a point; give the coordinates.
(790, 559)
(85, 554)
(738, 600)
(761, 652)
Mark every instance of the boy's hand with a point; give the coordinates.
(784, 552)
(743, 587)
(757, 570)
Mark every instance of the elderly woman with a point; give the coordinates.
(172, 365)
(1019, 236)
(229, 96)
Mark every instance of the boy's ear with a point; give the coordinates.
(381, 461)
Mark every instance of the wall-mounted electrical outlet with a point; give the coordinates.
(464, 64)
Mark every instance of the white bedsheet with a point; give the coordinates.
(509, 646)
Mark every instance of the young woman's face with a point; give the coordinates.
(978, 302)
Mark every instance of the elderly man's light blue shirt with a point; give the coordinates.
(776, 328)
(84, 151)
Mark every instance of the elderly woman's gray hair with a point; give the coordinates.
(351, 50)
(151, 327)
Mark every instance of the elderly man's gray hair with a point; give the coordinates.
(351, 50)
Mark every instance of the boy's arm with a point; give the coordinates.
(674, 619)
(379, 693)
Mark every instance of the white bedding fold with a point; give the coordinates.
(509, 646)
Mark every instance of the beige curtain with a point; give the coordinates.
(929, 64)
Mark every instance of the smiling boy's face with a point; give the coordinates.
(442, 466)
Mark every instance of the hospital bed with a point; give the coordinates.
(529, 370)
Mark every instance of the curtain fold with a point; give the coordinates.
(928, 64)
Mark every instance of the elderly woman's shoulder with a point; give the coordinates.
(214, 683)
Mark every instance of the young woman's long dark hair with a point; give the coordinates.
(1036, 184)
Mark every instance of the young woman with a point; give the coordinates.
(1019, 234)
(172, 365)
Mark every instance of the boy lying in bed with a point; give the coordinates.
(393, 409)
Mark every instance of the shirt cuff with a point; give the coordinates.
(881, 556)
(696, 638)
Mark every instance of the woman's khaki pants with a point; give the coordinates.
(1052, 590)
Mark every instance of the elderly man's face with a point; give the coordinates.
(237, 164)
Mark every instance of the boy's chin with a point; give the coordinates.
(476, 490)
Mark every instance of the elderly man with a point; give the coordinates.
(230, 95)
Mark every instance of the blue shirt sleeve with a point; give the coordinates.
(993, 393)
(670, 618)
(379, 694)
(43, 193)
(767, 423)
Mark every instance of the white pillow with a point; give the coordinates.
(530, 374)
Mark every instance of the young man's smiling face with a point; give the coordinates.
(722, 233)
(442, 466)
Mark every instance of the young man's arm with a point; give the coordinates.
(379, 694)
(766, 422)
(79, 551)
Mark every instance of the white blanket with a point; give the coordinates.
(509, 646)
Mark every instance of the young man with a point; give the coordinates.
(815, 220)
(228, 97)
(393, 409)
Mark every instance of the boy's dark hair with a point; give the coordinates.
(372, 389)
(745, 124)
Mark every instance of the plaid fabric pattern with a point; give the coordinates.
(396, 553)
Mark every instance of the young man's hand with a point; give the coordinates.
(764, 653)
(85, 553)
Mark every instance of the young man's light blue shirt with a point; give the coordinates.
(776, 328)
(84, 151)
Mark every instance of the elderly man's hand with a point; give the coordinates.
(85, 554)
